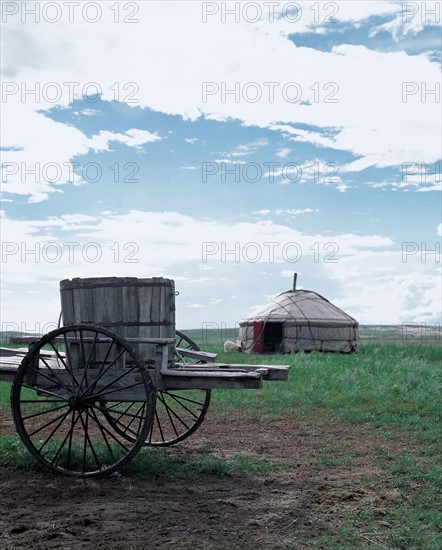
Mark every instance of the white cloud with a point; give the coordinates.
(172, 238)
(43, 252)
(283, 153)
(370, 117)
(414, 17)
(297, 212)
(290, 211)
(355, 11)
(43, 152)
(371, 120)
(320, 171)
(41, 160)
(379, 287)
(435, 186)
(76, 219)
(369, 278)
(264, 212)
(439, 230)
(131, 138)
(419, 183)
(229, 161)
(249, 148)
(198, 280)
(89, 112)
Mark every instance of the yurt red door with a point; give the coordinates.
(258, 336)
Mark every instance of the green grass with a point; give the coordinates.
(384, 386)
(174, 463)
(391, 388)
(5, 390)
(184, 463)
(401, 334)
(14, 453)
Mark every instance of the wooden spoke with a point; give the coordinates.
(178, 413)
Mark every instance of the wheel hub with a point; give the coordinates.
(76, 403)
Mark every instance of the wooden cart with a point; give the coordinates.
(87, 396)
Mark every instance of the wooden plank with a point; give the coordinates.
(268, 372)
(44, 379)
(275, 372)
(162, 316)
(104, 304)
(210, 374)
(8, 367)
(180, 379)
(152, 340)
(155, 308)
(11, 360)
(25, 339)
(170, 311)
(5, 352)
(67, 306)
(76, 309)
(215, 367)
(20, 353)
(130, 312)
(198, 355)
(144, 316)
(7, 375)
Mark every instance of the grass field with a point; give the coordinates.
(401, 334)
(392, 388)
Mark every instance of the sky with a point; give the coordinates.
(225, 145)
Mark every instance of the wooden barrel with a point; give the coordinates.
(127, 306)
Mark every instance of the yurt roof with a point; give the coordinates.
(302, 307)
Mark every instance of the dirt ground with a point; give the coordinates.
(290, 508)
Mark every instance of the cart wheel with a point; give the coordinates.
(65, 389)
(178, 413)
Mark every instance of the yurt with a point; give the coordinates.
(298, 320)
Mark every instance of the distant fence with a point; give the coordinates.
(406, 333)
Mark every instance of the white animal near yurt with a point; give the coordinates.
(298, 320)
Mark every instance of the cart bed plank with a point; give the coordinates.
(199, 355)
(10, 359)
(268, 372)
(199, 379)
(6, 352)
(7, 372)
(205, 376)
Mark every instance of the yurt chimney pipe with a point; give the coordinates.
(295, 277)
